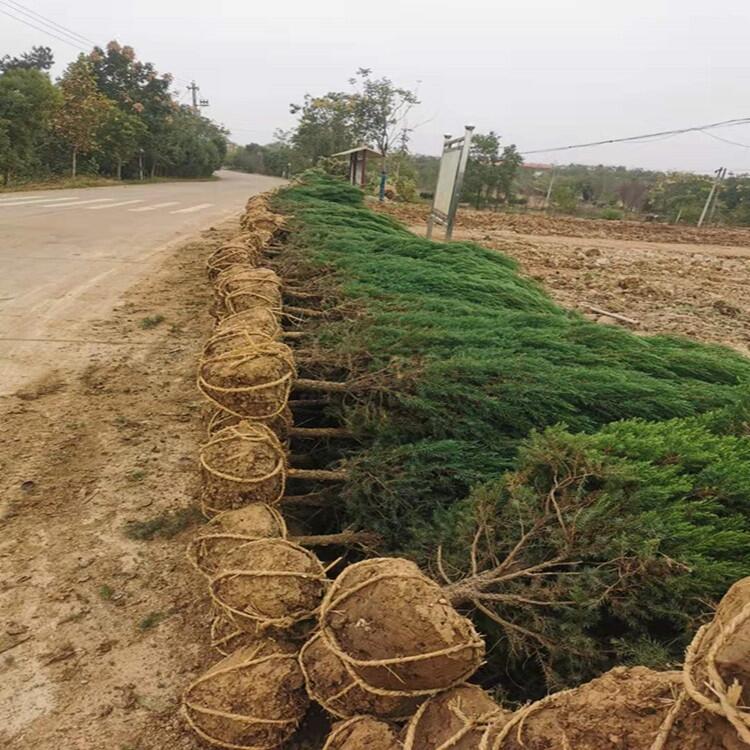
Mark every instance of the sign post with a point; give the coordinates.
(450, 180)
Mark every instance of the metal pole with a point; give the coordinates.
(459, 181)
(710, 196)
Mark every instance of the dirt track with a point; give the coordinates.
(674, 280)
(102, 626)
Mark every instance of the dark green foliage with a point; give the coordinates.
(471, 354)
(635, 526)
(638, 529)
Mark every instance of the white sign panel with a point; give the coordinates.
(446, 182)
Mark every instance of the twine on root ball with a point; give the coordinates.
(253, 320)
(226, 637)
(231, 529)
(224, 342)
(362, 733)
(252, 382)
(269, 583)
(280, 425)
(395, 629)
(342, 693)
(455, 719)
(241, 464)
(251, 700)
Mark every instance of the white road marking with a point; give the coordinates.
(77, 203)
(190, 210)
(154, 207)
(114, 205)
(35, 201)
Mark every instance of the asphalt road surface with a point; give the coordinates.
(67, 255)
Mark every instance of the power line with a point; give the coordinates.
(725, 140)
(44, 31)
(646, 137)
(45, 21)
(74, 36)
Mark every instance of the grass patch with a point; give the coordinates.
(106, 592)
(151, 321)
(164, 526)
(152, 619)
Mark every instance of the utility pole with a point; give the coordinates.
(193, 88)
(549, 190)
(722, 177)
(719, 172)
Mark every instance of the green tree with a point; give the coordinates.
(191, 145)
(119, 137)
(325, 126)
(481, 175)
(380, 110)
(39, 58)
(28, 101)
(507, 172)
(83, 109)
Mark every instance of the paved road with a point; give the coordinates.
(67, 255)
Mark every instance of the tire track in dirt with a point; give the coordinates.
(100, 624)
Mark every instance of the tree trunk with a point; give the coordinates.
(119, 168)
(75, 162)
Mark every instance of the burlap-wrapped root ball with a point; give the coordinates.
(253, 699)
(242, 288)
(456, 719)
(336, 687)
(269, 583)
(362, 733)
(253, 382)
(254, 320)
(279, 425)
(243, 463)
(230, 530)
(395, 629)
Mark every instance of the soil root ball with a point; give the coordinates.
(456, 719)
(395, 629)
(623, 708)
(279, 425)
(269, 583)
(252, 382)
(231, 340)
(253, 699)
(241, 288)
(242, 464)
(254, 320)
(362, 733)
(336, 687)
(230, 530)
(228, 256)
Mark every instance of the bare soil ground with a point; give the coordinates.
(672, 280)
(103, 622)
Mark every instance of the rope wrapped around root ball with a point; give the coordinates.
(279, 425)
(362, 733)
(253, 382)
(394, 628)
(226, 637)
(231, 340)
(230, 255)
(253, 320)
(269, 583)
(455, 719)
(341, 692)
(251, 700)
(241, 288)
(230, 530)
(243, 463)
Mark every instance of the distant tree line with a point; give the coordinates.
(108, 114)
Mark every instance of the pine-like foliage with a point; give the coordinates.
(467, 368)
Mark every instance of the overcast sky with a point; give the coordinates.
(540, 72)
